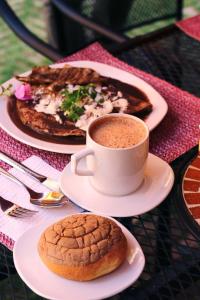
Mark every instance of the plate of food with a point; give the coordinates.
(86, 256)
(50, 107)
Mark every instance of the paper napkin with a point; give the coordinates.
(14, 227)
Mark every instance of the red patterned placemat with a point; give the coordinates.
(191, 26)
(176, 134)
(21, 152)
(6, 241)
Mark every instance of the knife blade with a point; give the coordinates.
(50, 183)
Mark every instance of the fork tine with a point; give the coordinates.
(18, 214)
(22, 211)
(13, 214)
(25, 210)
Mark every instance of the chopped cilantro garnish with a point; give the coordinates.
(79, 110)
(93, 94)
(71, 105)
(91, 84)
(66, 104)
(73, 116)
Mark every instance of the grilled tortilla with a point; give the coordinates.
(53, 80)
(45, 123)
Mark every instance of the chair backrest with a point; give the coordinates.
(127, 14)
(15, 56)
(118, 15)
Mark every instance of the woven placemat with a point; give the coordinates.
(176, 134)
(191, 26)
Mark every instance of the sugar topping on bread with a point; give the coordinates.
(83, 246)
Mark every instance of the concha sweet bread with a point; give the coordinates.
(83, 247)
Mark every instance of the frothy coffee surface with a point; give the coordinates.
(118, 132)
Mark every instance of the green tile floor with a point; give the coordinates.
(16, 57)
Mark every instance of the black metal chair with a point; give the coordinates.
(75, 23)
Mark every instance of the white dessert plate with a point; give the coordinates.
(49, 285)
(158, 181)
(153, 119)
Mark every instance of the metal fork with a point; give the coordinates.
(47, 199)
(14, 210)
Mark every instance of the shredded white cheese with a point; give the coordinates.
(104, 103)
(48, 105)
(93, 111)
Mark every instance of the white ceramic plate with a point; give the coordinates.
(47, 284)
(159, 179)
(154, 118)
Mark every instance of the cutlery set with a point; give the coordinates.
(46, 181)
(51, 199)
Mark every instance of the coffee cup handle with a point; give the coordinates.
(75, 160)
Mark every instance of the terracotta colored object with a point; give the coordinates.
(191, 188)
(190, 185)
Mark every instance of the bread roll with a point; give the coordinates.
(83, 247)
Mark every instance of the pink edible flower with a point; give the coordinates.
(23, 92)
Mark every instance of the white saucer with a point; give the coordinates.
(48, 285)
(159, 179)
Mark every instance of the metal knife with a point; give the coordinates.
(52, 184)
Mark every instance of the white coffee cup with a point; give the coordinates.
(113, 171)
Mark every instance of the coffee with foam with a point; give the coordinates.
(118, 132)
